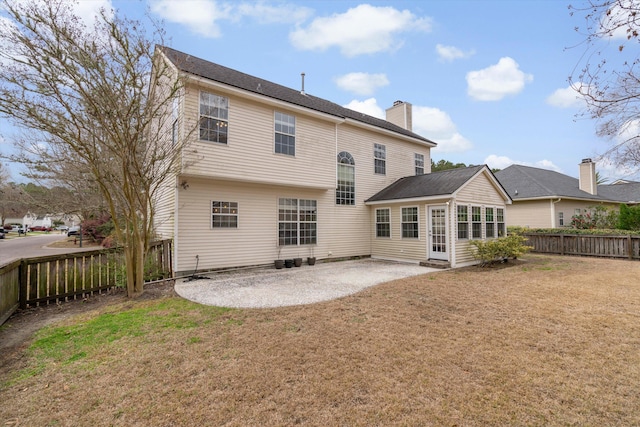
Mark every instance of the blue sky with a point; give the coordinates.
(488, 80)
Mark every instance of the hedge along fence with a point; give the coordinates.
(52, 279)
(599, 245)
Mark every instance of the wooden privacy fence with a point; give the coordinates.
(585, 245)
(51, 279)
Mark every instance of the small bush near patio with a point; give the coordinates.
(499, 250)
(541, 341)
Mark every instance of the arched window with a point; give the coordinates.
(346, 185)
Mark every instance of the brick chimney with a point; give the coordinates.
(587, 177)
(400, 115)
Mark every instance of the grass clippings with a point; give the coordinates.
(545, 341)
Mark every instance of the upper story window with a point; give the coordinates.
(214, 117)
(410, 223)
(380, 159)
(419, 163)
(346, 185)
(285, 134)
(224, 214)
(383, 223)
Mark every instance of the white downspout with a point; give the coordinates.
(553, 212)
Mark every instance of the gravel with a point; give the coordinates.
(268, 287)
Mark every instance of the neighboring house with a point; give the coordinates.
(548, 199)
(33, 220)
(274, 173)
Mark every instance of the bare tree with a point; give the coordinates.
(608, 77)
(97, 98)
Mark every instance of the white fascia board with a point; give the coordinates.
(441, 197)
(242, 93)
(249, 180)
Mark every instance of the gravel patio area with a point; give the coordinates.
(268, 287)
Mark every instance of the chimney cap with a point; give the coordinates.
(587, 160)
(398, 102)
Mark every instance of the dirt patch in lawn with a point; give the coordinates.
(544, 341)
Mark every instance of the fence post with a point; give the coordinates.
(22, 280)
(629, 247)
(561, 244)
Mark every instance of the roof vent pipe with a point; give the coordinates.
(302, 91)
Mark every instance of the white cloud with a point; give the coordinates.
(566, 98)
(364, 29)
(451, 53)
(200, 16)
(87, 11)
(497, 81)
(437, 126)
(361, 83)
(203, 17)
(617, 19)
(368, 106)
(268, 14)
(501, 162)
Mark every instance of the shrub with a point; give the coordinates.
(499, 250)
(629, 218)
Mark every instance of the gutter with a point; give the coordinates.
(553, 212)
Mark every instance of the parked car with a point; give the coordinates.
(39, 228)
(62, 228)
(1, 233)
(73, 231)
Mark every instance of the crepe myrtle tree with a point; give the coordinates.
(100, 102)
(608, 77)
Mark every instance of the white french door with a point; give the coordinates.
(437, 242)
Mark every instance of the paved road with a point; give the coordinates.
(33, 246)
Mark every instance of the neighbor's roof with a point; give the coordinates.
(211, 71)
(526, 182)
(443, 183)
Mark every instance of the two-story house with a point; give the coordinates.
(272, 172)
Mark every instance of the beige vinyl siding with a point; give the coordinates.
(531, 214)
(395, 247)
(255, 240)
(165, 203)
(250, 155)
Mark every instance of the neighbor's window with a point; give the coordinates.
(214, 117)
(419, 163)
(500, 220)
(224, 214)
(476, 222)
(490, 226)
(410, 223)
(346, 185)
(561, 219)
(297, 222)
(383, 222)
(380, 159)
(463, 222)
(285, 134)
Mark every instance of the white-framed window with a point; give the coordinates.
(380, 159)
(297, 221)
(577, 211)
(346, 177)
(502, 231)
(490, 223)
(383, 222)
(214, 117)
(224, 214)
(476, 222)
(409, 223)
(561, 219)
(463, 222)
(285, 134)
(418, 160)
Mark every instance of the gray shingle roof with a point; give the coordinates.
(441, 183)
(530, 182)
(209, 70)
